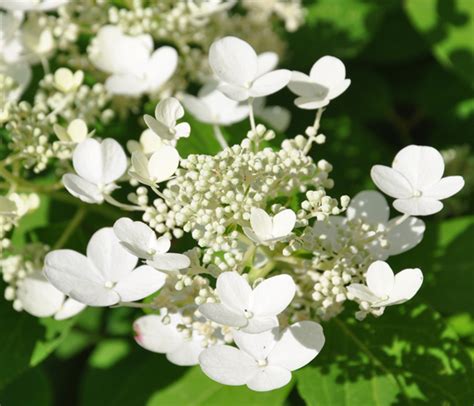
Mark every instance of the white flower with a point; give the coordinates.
(41, 299)
(75, 133)
(278, 117)
(160, 167)
(32, 5)
(326, 81)
(416, 181)
(148, 143)
(134, 67)
(167, 112)
(386, 289)
(8, 207)
(263, 361)
(236, 65)
(165, 338)
(267, 230)
(213, 107)
(140, 240)
(253, 311)
(106, 276)
(66, 81)
(98, 165)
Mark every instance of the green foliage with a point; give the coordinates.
(30, 388)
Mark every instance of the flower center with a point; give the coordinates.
(248, 314)
(417, 193)
(262, 363)
(109, 284)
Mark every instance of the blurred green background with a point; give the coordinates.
(412, 68)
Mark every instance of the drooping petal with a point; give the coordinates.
(222, 314)
(407, 283)
(273, 295)
(250, 234)
(283, 223)
(161, 67)
(163, 163)
(362, 292)
(169, 262)
(422, 166)
(228, 365)
(140, 283)
(157, 127)
(299, 345)
(405, 236)
(261, 223)
(391, 182)
(234, 291)
(39, 297)
(311, 103)
(69, 309)
(82, 189)
(187, 353)
(418, 206)
(302, 85)
(256, 345)
(369, 206)
(270, 83)
(112, 260)
(380, 278)
(153, 335)
(445, 188)
(269, 378)
(234, 61)
(259, 324)
(266, 61)
(134, 236)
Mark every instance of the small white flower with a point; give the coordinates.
(148, 143)
(66, 81)
(267, 230)
(140, 240)
(213, 107)
(165, 338)
(75, 133)
(98, 165)
(386, 289)
(32, 5)
(41, 299)
(106, 276)
(167, 112)
(416, 181)
(278, 117)
(236, 65)
(326, 81)
(135, 69)
(253, 311)
(263, 361)
(160, 167)
(8, 207)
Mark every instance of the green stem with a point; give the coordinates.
(256, 273)
(71, 227)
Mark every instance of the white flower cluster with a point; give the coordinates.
(273, 256)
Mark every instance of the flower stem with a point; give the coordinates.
(317, 123)
(135, 305)
(155, 189)
(71, 227)
(109, 199)
(220, 137)
(251, 115)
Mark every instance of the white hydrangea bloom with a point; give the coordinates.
(416, 181)
(326, 81)
(252, 311)
(98, 165)
(32, 5)
(236, 65)
(148, 143)
(75, 133)
(106, 276)
(263, 361)
(67, 81)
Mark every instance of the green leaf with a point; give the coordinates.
(196, 389)
(30, 388)
(448, 26)
(407, 356)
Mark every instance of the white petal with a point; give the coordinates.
(405, 236)
(38, 297)
(135, 236)
(234, 61)
(339, 89)
(273, 295)
(299, 345)
(311, 103)
(283, 223)
(112, 260)
(418, 206)
(269, 378)
(302, 85)
(163, 163)
(77, 130)
(187, 354)
(266, 61)
(74, 275)
(270, 83)
(161, 67)
(155, 336)
(261, 223)
(126, 85)
(222, 314)
(114, 160)
(228, 365)
(158, 127)
(140, 166)
(259, 324)
(278, 117)
(162, 245)
(182, 130)
(391, 182)
(69, 309)
(234, 92)
(234, 291)
(362, 292)
(328, 71)
(380, 278)
(250, 234)
(256, 345)
(445, 188)
(422, 166)
(198, 109)
(370, 206)
(150, 141)
(168, 111)
(170, 262)
(82, 189)
(407, 283)
(140, 283)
